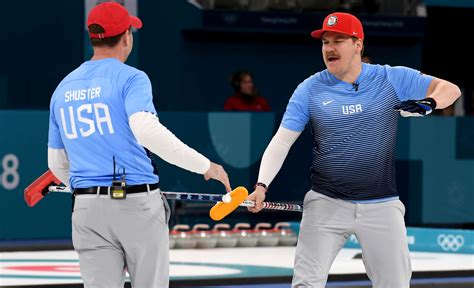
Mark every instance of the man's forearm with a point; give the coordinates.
(58, 163)
(150, 133)
(275, 154)
(445, 93)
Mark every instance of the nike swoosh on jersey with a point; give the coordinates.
(327, 102)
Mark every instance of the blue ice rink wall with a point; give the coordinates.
(427, 240)
(435, 175)
(434, 240)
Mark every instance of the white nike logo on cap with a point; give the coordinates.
(327, 102)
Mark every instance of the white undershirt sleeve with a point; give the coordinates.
(58, 163)
(275, 154)
(151, 134)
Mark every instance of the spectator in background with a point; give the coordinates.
(246, 97)
(366, 58)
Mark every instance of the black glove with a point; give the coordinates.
(416, 108)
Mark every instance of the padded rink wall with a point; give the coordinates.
(435, 166)
(427, 240)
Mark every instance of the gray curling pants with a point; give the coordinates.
(326, 225)
(113, 235)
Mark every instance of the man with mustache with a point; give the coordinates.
(352, 109)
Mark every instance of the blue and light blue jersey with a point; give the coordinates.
(89, 115)
(354, 127)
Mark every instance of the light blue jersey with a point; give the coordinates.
(354, 128)
(89, 118)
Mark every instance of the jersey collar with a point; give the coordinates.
(350, 86)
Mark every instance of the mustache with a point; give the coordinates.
(332, 54)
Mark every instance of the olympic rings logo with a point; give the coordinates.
(450, 242)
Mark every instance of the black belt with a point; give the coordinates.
(104, 190)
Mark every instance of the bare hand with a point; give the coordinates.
(258, 196)
(218, 173)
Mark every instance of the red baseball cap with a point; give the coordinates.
(344, 23)
(113, 17)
